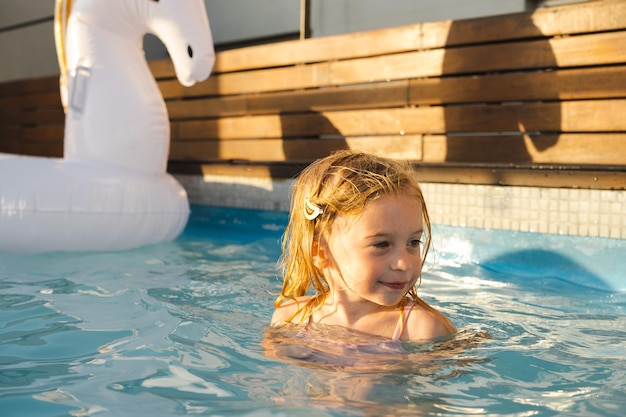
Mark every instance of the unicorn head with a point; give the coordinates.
(115, 112)
(193, 58)
(191, 49)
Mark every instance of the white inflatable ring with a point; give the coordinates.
(110, 191)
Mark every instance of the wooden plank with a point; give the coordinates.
(363, 96)
(598, 178)
(275, 79)
(591, 49)
(386, 94)
(584, 83)
(37, 117)
(254, 127)
(525, 176)
(580, 149)
(568, 116)
(210, 107)
(295, 150)
(30, 101)
(32, 134)
(255, 150)
(162, 68)
(572, 116)
(49, 150)
(583, 50)
(30, 86)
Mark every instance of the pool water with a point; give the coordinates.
(180, 328)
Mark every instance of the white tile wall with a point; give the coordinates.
(565, 211)
(599, 213)
(241, 192)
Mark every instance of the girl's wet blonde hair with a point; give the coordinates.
(342, 183)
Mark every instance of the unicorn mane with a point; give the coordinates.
(62, 10)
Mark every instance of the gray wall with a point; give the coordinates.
(235, 21)
(331, 17)
(27, 47)
(241, 20)
(27, 40)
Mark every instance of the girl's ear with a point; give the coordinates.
(320, 258)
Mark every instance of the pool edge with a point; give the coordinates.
(562, 211)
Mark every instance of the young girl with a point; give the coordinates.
(354, 247)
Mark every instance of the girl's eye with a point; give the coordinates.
(415, 243)
(381, 245)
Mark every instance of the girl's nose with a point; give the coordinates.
(401, 261)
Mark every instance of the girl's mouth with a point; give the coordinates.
(394, 285)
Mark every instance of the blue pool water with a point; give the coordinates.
(179, 328)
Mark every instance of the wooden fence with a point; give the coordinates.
(527, 99)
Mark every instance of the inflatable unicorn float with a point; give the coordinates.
(110, 190)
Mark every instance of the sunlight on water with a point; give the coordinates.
(181, 328)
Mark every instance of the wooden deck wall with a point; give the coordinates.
(527, 99)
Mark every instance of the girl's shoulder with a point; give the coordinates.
(288, 312)
(425, 322)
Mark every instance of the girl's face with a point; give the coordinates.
(376, 257)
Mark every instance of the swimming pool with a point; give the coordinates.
(176, 328)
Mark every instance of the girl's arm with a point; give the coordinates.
(283, 313)
(425, 323)
(288, 312)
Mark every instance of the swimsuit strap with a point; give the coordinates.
(403, 320)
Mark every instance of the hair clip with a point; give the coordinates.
(311, 211)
